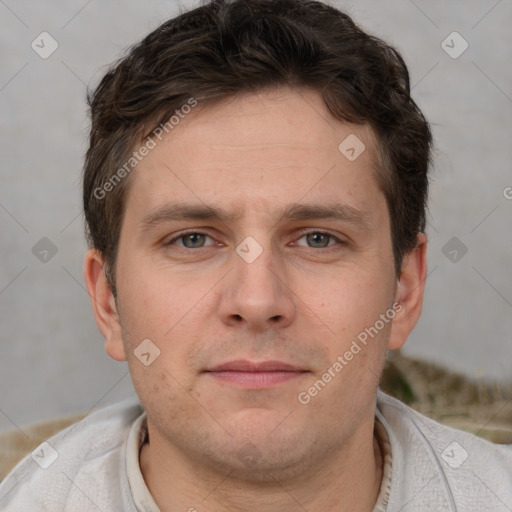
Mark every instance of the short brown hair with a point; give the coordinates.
(226, 48)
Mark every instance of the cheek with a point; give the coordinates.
(155, 302)
(161, 320)
(158, 388)
(348, 302)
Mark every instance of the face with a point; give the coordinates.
(253, 254)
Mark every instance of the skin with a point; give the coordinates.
(302, 301)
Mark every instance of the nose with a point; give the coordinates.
(257, 294)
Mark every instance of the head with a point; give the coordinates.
(240, 112)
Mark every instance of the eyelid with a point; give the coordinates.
(307, 231)
(181, 234)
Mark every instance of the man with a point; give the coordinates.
(224, 147)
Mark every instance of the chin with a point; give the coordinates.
(267, 463)
(262, 451)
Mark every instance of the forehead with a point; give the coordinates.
(259, 150)
(296, 119)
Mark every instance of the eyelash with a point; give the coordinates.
(303, 234)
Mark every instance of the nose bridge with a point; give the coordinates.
(257, 292)
(257, 268)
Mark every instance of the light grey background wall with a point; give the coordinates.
(52, 360)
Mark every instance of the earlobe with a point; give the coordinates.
(103, 304)
(409, 294)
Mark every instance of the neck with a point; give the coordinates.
(349, 480)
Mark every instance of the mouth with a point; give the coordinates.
(255, 375)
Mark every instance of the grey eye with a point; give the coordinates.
(318, 239)
(193, 240)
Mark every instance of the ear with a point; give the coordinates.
(103, 304)
(409, 295)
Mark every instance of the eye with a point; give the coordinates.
(319, 239)
(314, 239)
(190, 240)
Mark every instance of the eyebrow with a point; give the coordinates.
(294, 212)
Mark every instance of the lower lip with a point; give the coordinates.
(255, 380)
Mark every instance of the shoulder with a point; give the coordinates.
(438, 466)
(64, 469)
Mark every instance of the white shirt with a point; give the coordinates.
(94, 464)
